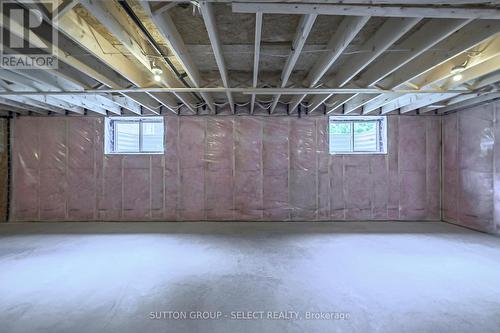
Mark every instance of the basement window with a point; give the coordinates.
(357, 135)
(134, 135)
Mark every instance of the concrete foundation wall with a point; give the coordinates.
(224, 168)
(471, 168)
(4, 170)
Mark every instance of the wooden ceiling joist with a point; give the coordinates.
(390, 31)
(207, 12)
(469, 101)
(110, 16)
(374, 10)
(52, 104)
(480, 67)
(64, 7)
(256, 57)
(422, 40)
(347, 30)
(400, 58)
(303, 30)
(464, 39)
(39, 79)
(80, 32)
(22, 106)
(64, 51)
(171, 35)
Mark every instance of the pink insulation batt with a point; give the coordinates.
(471, 168)
(242, 168)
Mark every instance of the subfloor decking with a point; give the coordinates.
(113, 277)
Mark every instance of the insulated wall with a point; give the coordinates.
(224, 168)
(4, 165)
(471, 168)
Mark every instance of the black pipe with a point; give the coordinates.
(9, 167)
(137, 21)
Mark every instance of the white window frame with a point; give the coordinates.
(110, 136)
(381, 134)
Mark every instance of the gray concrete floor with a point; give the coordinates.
(381, 276)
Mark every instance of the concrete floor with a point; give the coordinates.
(381, 276)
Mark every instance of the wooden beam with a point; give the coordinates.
(209, 19)
(162, 7)
(78, 30)
(468, 101)
(419, 101)
(356, 101)
(475, 71)
(357, 2)
(362, 10)
(431, 33)
(492, 79)
(165, 25)
(479, 85)
(148, 102)
(49, 103)
(106, 13)
(127, 103)
(247, 91)
(36, 102)
(465, 38)
(338, 102)
(478, 55)
(6, 110)
(23, 106)
(377, 102)
(301, 35)
(422, 40)
(69, 53)
(110, 16)
(342, 37)
(63, 8)
(256, 56)
(344, 34)
(390, 31)
(303, 29)
(38, 79)
(316, 102)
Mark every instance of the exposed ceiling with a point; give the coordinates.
(262, 57)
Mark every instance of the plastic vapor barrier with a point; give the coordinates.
(224, 168)
(4, 169)
(471, 168)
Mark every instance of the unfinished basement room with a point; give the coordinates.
(249, 166)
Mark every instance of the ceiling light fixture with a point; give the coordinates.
(457, 72)
(157, 72)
